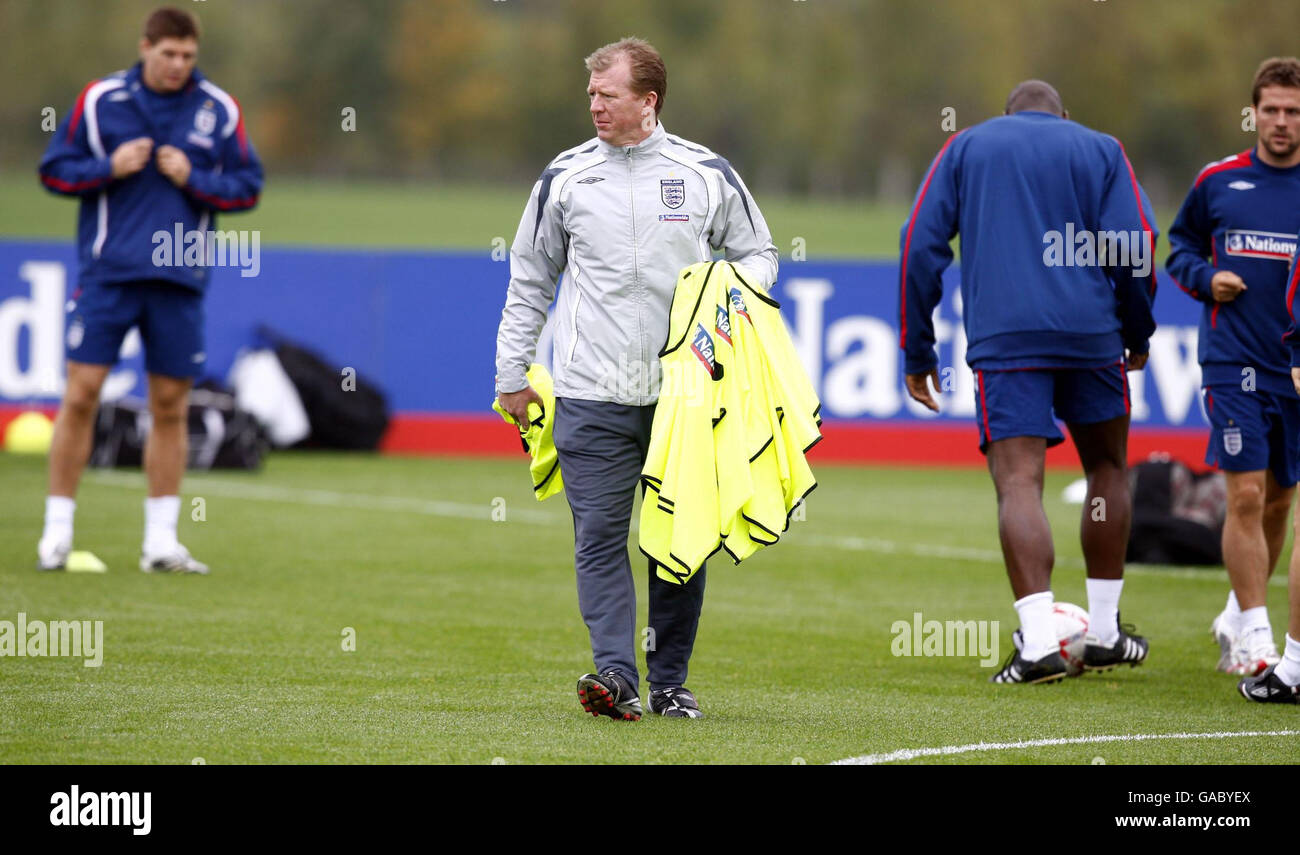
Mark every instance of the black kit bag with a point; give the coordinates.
(221, 436)
(346, 412)
(1177, 514)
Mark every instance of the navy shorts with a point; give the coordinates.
(169, 317)
(1021, 402)
(1255, 430)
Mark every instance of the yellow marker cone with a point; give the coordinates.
(81, 561)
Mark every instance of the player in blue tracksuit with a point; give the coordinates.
(1230, 247)
(153, 153)
(1057, 280)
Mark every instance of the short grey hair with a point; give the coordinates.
(648, 71)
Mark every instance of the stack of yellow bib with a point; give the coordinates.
(736, 415)
(539, 439)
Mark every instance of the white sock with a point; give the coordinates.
(1103, 609)
(1288, 670)
(1232, 613)
(1036, 626)
(160, 515)
(59, 511)
(1256, 618)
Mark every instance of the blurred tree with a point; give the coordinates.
(831, 98)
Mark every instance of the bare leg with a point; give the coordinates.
(1245, 547)
(166, 448)
(1016, 465)
(74, 427)
(1293, 628)
(1107, 513)
(1277, 512)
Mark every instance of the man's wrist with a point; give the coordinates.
(510, 387)
(919, 367)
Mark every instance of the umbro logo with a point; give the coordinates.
(1242, 185)
(592, 180)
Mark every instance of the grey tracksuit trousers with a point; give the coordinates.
(602, 447)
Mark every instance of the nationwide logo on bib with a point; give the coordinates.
(702, 345)
(1232, 440)
(672, 191)
(723, 324)
(1253, 244)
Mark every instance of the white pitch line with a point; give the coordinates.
(949, 750)
(327, 498)
(461, 510)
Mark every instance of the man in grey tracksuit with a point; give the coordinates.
(621, 215)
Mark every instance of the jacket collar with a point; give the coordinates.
(134, 79)
(648, 146)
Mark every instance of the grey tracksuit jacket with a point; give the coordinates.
(621, 222)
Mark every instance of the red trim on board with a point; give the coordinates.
(895, 443)
(916, 444)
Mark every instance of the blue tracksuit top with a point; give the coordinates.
(119, 217)
(1241, 215)
(1030, 194)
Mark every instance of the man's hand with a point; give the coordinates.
(1295, 379)
(1136, 361)
(516, 404)
(173, 163)
(920, 392)
(1225, 286)
(131, 156)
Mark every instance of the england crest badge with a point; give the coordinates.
(205, 121)
(672, 191)
(1232, 440)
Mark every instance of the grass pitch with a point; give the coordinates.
(469, 641)
(451, 216)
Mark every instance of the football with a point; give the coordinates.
(1071, 623)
